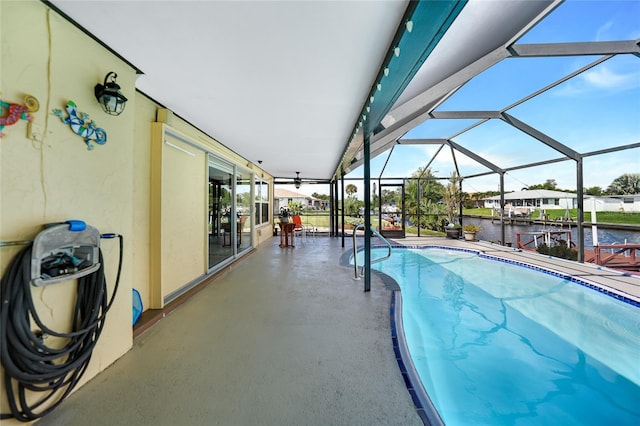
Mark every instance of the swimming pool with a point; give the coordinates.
(499, 344)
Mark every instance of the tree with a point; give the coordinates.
(475, 200)
(628, 183)
(465, 199)
(430, 188)
(548, 184)
(351, 203)
(451, 197)
(594, 190)
(320, 196)
(391, 196)
(375, 201)
(430, 196)
(352, 206)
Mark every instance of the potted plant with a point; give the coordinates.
(451, 200)
(452, 230)
(295, 209)
(285, 213)
(470, 230)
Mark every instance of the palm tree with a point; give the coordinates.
(477, 199)
(451, 197)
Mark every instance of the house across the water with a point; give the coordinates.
(544, 199)
(535, 199)
(283, 197)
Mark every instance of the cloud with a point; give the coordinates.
(604, 77)
(601, 33)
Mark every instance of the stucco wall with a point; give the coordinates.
(145, 114)
(183, 209)
(53, 177)
(262, 233)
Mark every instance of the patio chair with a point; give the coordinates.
(302, 228)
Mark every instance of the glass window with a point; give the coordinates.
(244, 181)
(261, 202)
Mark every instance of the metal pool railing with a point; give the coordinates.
(359, 274)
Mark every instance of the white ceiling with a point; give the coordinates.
(282, 82)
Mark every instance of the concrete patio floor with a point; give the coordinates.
(286, 337)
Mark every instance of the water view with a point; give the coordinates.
(491, 232)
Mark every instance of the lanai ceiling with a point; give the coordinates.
(288, 83)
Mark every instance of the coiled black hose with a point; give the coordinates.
(29, 365)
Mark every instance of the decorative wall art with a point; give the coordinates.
(82, 125)
(11, 113)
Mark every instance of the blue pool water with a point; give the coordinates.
(499, 344)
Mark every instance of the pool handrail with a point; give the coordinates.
(355, 251)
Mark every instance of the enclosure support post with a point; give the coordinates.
(418, 205)
(332, 207)
(580, 184)
(342, 204)
(337, 210)
(367, 212)
(502, 208)
(460, 201)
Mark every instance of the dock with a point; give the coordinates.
(622, 257)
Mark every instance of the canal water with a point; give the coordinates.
(491, 232)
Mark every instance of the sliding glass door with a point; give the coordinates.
(243, 209)
(220, 226)
(230, 211)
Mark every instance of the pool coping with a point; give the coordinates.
(589, 283)
(614, 283)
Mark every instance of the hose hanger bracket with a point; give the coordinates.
(37, 377)
(64, 251)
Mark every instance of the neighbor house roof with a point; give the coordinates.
(285, 193)
(534, 194)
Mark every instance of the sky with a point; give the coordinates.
(598, 109)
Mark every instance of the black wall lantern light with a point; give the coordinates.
(109, 96)
(297, 180)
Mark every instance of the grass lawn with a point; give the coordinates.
(321, 219)
(603, 217)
